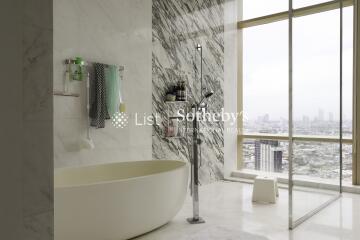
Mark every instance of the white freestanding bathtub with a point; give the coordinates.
(118, 200)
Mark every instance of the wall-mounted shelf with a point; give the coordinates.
(176, 137)
(175, 102)
(170, 117)
(65, 94)
(175, 117)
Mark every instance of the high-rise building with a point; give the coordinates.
(268, 156)
(263, 118)
(321, 115)
(277, 154)
(266, 118)
(306, 119)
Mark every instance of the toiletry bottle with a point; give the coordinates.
(78, 75)
(175, 124)
(183, 90)
(169, 131)
(177, 92)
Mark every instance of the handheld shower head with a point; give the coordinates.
(209, 94)
(206, 96)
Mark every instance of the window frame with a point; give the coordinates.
(280, 16)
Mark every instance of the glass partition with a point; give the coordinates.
(316, 112)
(297, 97)
(316, 171)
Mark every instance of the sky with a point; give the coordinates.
(316, 62)
(257, 8)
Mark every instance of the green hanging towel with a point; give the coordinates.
(112, 79)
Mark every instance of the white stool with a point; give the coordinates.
(265, 189)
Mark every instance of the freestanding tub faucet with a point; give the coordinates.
(196, 219)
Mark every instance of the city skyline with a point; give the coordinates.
(315, 66)
(320, 116)
(316, 159)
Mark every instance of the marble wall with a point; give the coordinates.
(27, 121)
(156, 49)
(232, 13)
(178, 26)
(11, 127)
(112, 32)
(38, 120)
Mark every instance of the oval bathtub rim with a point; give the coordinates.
(185, 165)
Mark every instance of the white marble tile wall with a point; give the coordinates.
(26, 149)
(231, 9)
(112, 32)
(37, 167)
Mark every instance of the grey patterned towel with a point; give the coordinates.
(98, 109)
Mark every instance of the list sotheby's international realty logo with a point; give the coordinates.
(120, 120)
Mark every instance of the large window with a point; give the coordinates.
(306, 3)
(316, 74)
(315, 90)
(265, 78)
(259, 8)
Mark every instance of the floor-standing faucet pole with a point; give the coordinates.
(196, 141)
(195, 173)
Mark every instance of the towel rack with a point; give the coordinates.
(72, 61)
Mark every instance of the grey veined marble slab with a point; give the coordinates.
(178, 26)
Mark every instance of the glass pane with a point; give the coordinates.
(307, 199)
(306, 3)
(316, 171)
(266, 156)
(347, 163)
(265, 78)
(316, 165)
(317, 161)
(258, 8)
(316, 74)
(312, 161)
(347, 71)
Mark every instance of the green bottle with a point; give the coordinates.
(79, 73)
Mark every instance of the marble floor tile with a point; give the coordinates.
(230, 214)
